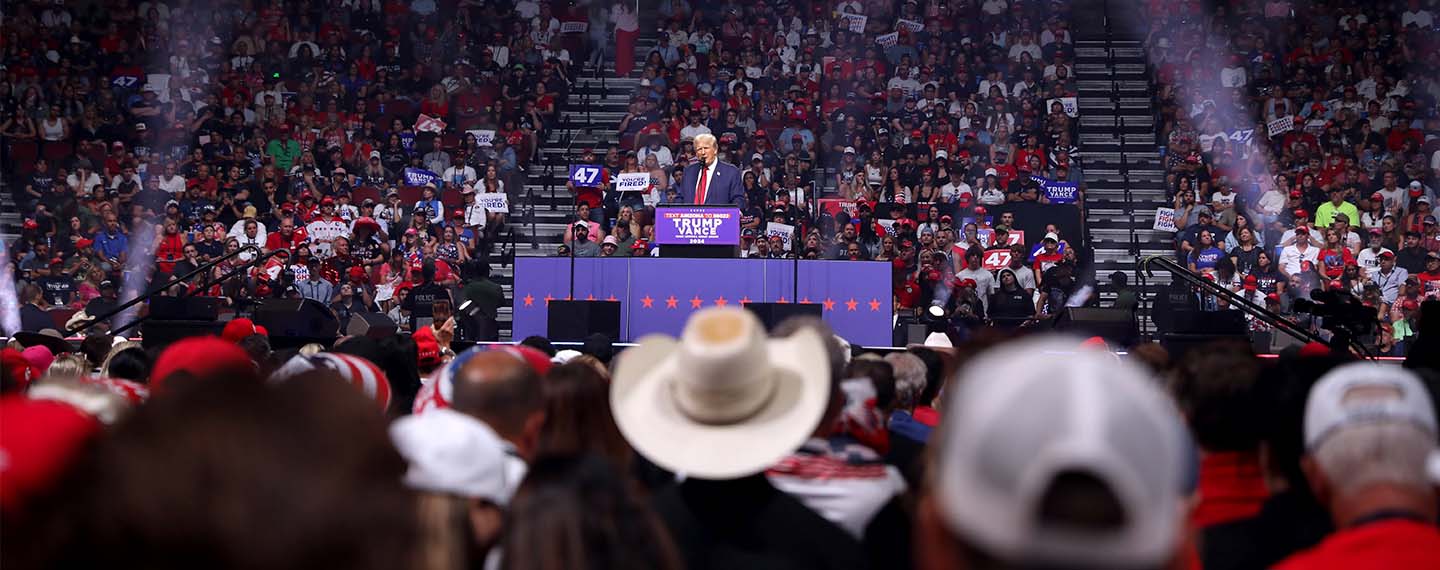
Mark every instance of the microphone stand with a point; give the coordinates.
(572, 265)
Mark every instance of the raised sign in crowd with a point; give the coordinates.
(370, 151)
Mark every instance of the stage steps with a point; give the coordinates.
(1124, 168)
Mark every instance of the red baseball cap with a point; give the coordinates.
(199, 356)
(1295, 194)
(1251, 283)
(1336, 284)
(1302, 230)
(39, 439)
(1300, 213)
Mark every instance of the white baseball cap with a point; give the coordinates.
(450, 452)
(942, 154)
(1366, 393)
(1022, 420)
(991, 172)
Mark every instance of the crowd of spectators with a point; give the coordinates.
(881, 130)
(360, 137)
(1302, 152)
(794, 451)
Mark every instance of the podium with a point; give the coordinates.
(698, 231)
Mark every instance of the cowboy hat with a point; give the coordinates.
(48, 338)
(722, 401)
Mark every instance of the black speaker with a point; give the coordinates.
(773, 314)
(1114, 325)
(155, 333)
(1224, 323)
(295, 322)
(184, 308)
(373, 325)
(574, 320)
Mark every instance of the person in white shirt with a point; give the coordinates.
(987, 192)
(1389, 277)
(1369, 258)
(1025, 45)
(1417, 16)
(661, 153)
(956, 191)
(694, 128)
(1298, 250)
(459, 174)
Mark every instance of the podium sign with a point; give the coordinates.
(697, 225)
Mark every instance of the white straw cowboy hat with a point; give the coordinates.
(723, 401)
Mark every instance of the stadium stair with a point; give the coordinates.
(598, 101)
(1117, 134)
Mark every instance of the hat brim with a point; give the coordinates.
(648, 416)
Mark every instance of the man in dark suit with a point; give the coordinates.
(710, 181)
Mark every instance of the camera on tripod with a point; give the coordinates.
(1339, 312)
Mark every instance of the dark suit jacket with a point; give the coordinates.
(724, 188)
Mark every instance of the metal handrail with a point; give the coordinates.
(157, 289)
(1271, 318)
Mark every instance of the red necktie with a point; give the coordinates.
(700, 188)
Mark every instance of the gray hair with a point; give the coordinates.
(1380, 453)
(909, 378)
(706, 137)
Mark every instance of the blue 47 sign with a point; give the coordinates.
(585, 175)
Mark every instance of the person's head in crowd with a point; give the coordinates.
(322, 444)
(1370, 436)
(127, 361)
(505, 393)
(1088, 501)
(1215, 389)
(577, 511)
(578, 419)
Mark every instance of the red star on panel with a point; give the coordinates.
(670, 303)
(610, 298)
(781, 300)
(805, 300)
(745, 300)
(548, 298)
(529, 300)
(589, 297)
(647, 302)
(850, 305)
(874, 305)
(695, 302)
(721, 302)
(829, 304)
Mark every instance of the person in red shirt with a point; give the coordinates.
(1048, 255)
(1334, 257)
(1370, 434)
(1430, 277)
(169, 247)
(287, 238)
(589, 187)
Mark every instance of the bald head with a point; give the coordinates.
(503, 391)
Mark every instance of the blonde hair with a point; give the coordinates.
(68, 367)
(114, 350)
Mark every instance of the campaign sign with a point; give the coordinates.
(1061, 192)
(854, 22)
(483, 137)
(574, 27)
(1165, 220)
(632, 182)
(494, 201)
(419, 177)
(1280, 126)
(996, 259)
(586, 175)
(834, 206)
(697, 226)
(785, 231)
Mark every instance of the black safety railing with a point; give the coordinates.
(1145, 269)
(174, 281)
